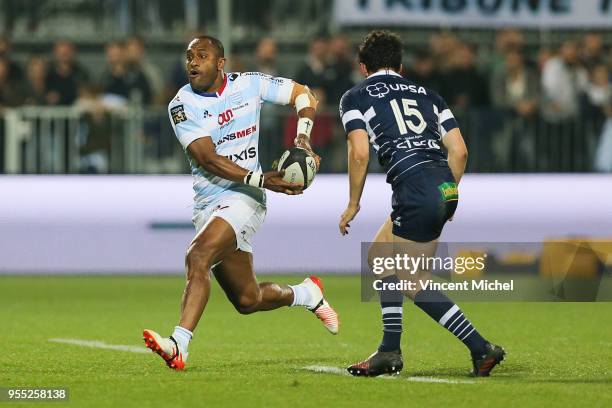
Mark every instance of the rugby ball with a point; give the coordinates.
(300, 167)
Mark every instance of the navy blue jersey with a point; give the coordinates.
(405, 122)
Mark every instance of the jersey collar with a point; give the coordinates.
(213, 94)
(384, 72)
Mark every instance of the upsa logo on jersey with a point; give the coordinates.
(377, 90)
(225, 117)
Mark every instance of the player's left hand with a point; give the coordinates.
(302, 142)
(347, 216)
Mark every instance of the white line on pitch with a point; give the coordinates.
(340, 371)
(101, 345)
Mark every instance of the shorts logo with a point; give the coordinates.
(378, 90)
(448, 191)
(398, 221)
(178, 114)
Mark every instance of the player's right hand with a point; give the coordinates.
(346, 217)
(273, 180)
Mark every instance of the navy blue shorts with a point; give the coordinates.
(422, 203)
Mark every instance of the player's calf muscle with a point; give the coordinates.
(248, 303)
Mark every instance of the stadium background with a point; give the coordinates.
(85, 85)
(95, 198)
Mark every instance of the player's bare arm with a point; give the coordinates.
(358, 157)
(305, 104)
(203, 151)
(457, 152)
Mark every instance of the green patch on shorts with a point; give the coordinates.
(448, 191)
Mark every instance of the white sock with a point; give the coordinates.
(302, 296)
(182, 337)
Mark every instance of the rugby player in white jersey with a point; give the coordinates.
(216, 118)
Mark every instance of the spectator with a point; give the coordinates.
(95, 130)
(11, 92)
(122, 82)
(422, 70)
(35, 88)
(592, 50)
(15, 73)
(599, 89)
(506, 40)
(463, 85)
(442, 46)
(515, 87)
(65, 76)
(515, 90)
(544, 55)
(314, 71)
(342, 65)
(563, 82)
(265, 57)
(114, 86)
(137, 61)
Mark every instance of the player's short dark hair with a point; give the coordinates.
(381, 49)
(215, 43)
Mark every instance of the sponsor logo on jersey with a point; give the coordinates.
(178, 114)
(380, 89)
(410, 88)
(407, 144)
(246, 154)
(448, 191)
(225, 117)
(237, 135)
(377, 90)
(243, 105)
(207, 114)
(268, 77)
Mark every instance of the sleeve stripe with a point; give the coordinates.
(446, 115)
(351, 115)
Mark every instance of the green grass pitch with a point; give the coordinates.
(559, 354)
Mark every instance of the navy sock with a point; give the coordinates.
(443, 310)
(391, 302)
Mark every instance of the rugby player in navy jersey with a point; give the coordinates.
(407, 126)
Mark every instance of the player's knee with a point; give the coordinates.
(199, 257)
(247, 303)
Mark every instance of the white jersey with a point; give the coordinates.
(230, 117)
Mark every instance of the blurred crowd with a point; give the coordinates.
(60, 79)
(546, 109)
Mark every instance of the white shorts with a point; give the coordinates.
(244, 214)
